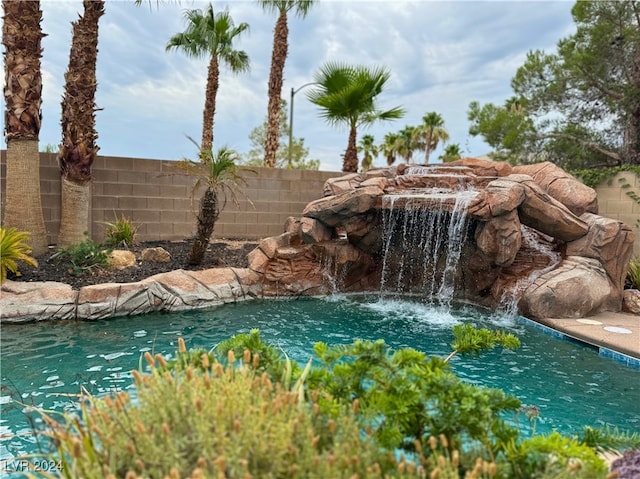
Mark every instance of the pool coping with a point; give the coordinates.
(614, 335)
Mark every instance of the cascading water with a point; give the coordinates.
(550, 259)
(423, 235)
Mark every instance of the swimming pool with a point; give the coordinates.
(569, 383)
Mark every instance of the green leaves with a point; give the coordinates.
(472, 341)
(14, 247)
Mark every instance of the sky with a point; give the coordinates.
(442, 55)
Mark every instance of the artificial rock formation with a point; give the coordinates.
(533, 237)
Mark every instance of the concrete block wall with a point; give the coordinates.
(161, 203)
(614, 202)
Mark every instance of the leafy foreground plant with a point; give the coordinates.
(14, 247)
(206, 414)
(83, 257)
(122, 231)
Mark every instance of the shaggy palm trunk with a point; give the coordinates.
(23, 205)
(78, 149)
(278, 58)
(22, 38)
(213, 80)
(350, 161)
(207, 217)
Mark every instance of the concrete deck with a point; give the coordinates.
(616, 335)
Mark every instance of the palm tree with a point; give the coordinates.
(369, 149)
(212, 35)
(389, 147)
(22, 39)
(278, 58)
(221, 177)
(431, 132)
(79, 149)
(407, 142)
(451, 153)
(347, 94)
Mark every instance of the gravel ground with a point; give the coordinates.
(221, 253)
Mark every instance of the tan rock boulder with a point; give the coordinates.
(500, 197)
(313, 231)
(342, 184)
(631, 301)
(121, 259)
(155, 255)
(334, 210)
(24, 302)
(484, 167)
(500, 238)
(562, 186)
(578, 288)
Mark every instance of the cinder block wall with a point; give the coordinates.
(614, 202)
(159, 200)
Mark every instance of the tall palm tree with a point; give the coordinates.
(79, 149)
(347, 94)
(431, 132)
(389, 147)
(221, 177)
(369, 149)
(22, 39)
(278, 58)
(212, 35)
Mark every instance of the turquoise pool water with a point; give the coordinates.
(569, 383)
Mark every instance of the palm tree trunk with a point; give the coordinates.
(78, 149)
(350, 162)
(23, 205)
(74, 218)
(207, 217)
(278, 58)
(213, 81)
(22, 39)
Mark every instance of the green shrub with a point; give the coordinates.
(121, 231)
(83, 257)
(220, 421)
(14, 247)
(554, 456)
(633, 272)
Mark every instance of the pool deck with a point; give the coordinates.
(616, 335)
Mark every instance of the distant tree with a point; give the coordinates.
(347, 94)
(582, 103)
(451, 153)
(22, 40)
(369, 151)
(278, 59)
(49, 148)
(389, 148)
(211, 35)
(78, 149)
(430, 133)
(406, 143)
(299, 152)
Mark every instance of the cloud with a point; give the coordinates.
(442, 55)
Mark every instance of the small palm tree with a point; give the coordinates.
(389, 147)
(212, 35)
(451, 153)
(407, 142)
(278, 58)
(369, 149)
(222, 178)
(431, 132)
(347, 94)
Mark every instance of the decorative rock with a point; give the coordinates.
(578, 288)
(500, 238)
(631, 301)
(560, 185)
(484, 167)
(155, 255)
(333, 210)
(121, 259)
(24, 302)
(313, 231)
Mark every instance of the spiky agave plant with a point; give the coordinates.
(14, 247)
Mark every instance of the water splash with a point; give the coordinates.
(423, 236)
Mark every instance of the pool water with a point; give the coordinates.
(569, 383)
